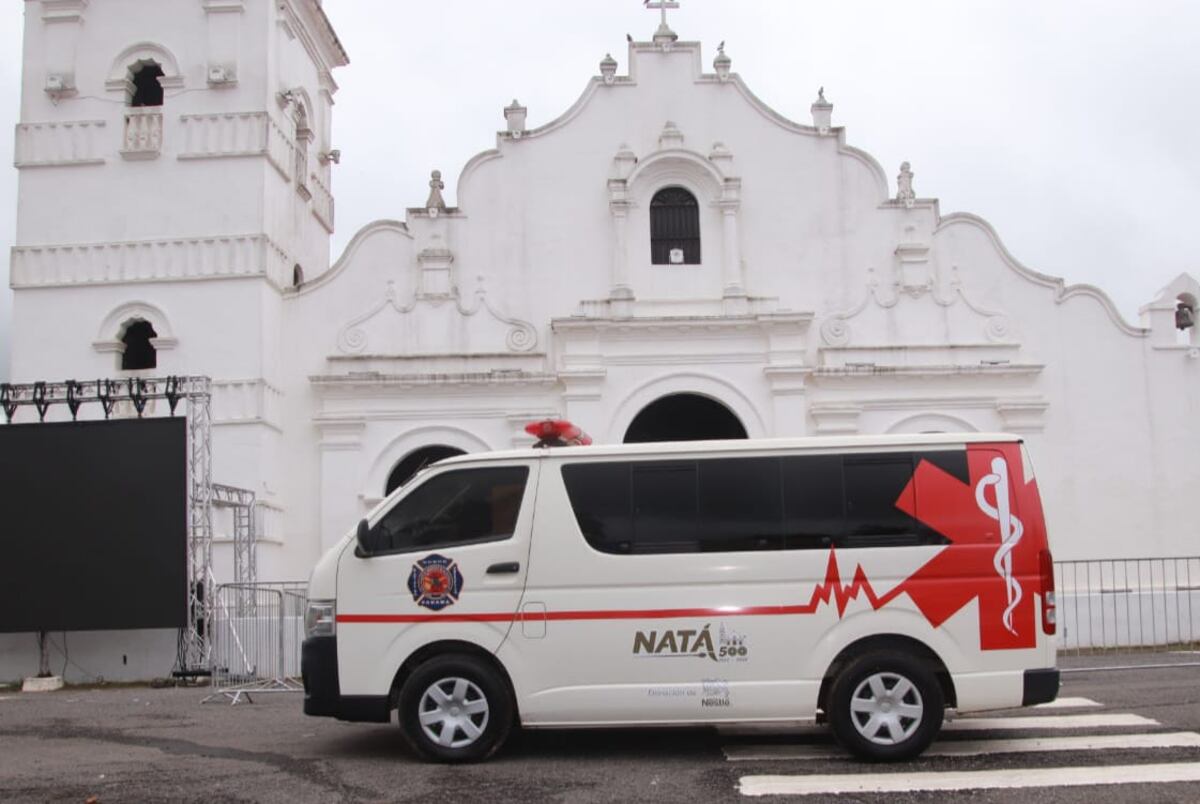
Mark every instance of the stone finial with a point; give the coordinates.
(822, 112)
(904, 186)
(514, 115)
(671, 136)
(608, 68)
(436, 185)
(722, 63)
(664, 36)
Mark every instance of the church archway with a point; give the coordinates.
(684, 417)
(416, 460)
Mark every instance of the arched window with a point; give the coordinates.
(674, 228)
(684, 417)
(147, 91)
(139, 352)
(415, 461)
(297, 275)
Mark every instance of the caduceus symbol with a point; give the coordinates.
(1010, 532)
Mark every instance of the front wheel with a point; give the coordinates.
(885, 706)
(455, 708)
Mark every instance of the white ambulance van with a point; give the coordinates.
(866, 582)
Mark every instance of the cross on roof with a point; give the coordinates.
(661, 5)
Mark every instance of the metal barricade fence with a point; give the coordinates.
(257, 631)
(1134, 604)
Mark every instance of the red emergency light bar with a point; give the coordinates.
(557, 433)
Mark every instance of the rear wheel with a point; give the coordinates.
(455, 708)
(885, 706)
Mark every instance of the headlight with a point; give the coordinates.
(320, 618)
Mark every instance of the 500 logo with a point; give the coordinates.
(680, 642)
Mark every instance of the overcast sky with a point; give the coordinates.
(1070, 125)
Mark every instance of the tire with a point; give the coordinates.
(455, 708)
(885, 707)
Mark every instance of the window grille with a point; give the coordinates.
(674, 227)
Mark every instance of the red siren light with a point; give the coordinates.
(557, 433)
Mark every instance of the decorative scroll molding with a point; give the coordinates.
(77, 142)
(248, 401)
(520, 336)
(182, 259)
(836, 331)
(322, 202)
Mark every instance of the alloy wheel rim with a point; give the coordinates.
(886, 708)
(453, 712)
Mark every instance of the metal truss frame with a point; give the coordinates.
(245, 530)
(196, 391)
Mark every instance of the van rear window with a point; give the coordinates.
(798, 502)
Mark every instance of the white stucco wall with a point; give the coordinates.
(822, 304)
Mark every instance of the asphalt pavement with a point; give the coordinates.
(1130, 734)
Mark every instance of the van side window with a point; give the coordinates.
(601, 495)
(465, 506)
(719, 504)
(741, 504)
(814, 501)
(796, 502)
(873, 485)
(665, 507)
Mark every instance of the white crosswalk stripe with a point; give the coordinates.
(969, 780)
(967, 748)
(1049, 722)
(1070, 703)
(988, 735)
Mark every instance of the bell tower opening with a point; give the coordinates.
(147, 91)
(684, 417)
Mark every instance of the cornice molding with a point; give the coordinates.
(54, 11)
(306, 20)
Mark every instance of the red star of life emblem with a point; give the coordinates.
(995, 530)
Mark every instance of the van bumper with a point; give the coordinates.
(322, 693)
(1041, 686)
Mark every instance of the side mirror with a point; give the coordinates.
(363, 536)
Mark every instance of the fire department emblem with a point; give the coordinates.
(435, 582)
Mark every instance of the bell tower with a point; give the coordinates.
(175, 162)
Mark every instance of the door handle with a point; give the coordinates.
(504, 568)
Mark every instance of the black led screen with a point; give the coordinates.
(93, 525)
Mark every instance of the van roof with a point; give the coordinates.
(661, 449)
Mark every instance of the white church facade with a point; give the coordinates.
(668, 257)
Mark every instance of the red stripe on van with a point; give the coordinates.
(629, 614)
(833, 590)
(483, 617)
